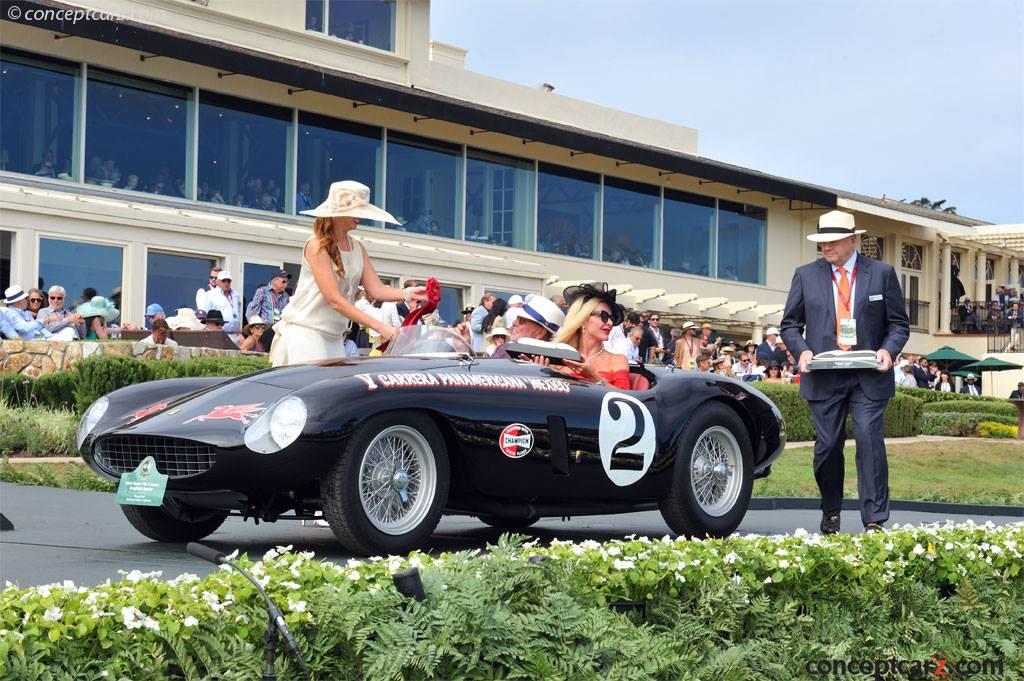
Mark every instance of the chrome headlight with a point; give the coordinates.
(278, 427)
(91, 417)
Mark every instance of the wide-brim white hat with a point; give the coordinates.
(833, 226)
(254, 320)
(352, 199)
(497, 331)
(689, 325)
(541, 311)
(185, 318)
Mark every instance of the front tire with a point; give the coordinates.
(174, 521)
(387, 490)
(713, 476)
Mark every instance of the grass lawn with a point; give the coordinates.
(967, 471)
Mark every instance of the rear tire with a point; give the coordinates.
(174, 521)
(713, 476)
(388, 489)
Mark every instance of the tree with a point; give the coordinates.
(924, 202)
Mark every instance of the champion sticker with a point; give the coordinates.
(515, 441)
(244, 413)
(625, 434)
(143, 413)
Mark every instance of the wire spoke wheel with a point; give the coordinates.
(716, 471)
(397, 480)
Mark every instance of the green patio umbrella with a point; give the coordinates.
(950, 355)
(991, 364)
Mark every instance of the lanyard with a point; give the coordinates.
(853, 278)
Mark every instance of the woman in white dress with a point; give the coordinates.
(314, 323)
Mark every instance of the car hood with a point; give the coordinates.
(302, 375)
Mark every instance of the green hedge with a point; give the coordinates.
(1001, 408)
(37, 431)
(902, 416)
(94, 377)
(957, 424)
(926, 395)
(742, 608)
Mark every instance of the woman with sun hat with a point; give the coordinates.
(314, 323)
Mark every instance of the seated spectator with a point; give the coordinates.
(704, 364)
(766, 351)
(97, 313)
(538, 318)
(215, 322)
(774, 374)
(494, 339)
(1018, 394)
(185, 319)
(154, 312)
(515, 302)
(16, 321)
(968, 317)
(161, 334)
(56, 317)
(253, 335)
(36, 301)
(132, 183)
(907, 379)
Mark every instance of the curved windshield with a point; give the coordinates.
(420, 340)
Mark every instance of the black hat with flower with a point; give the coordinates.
(599, 290)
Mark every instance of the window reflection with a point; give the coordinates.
(77, 266)
(567, 209)
(499, 199)
(689, 231)
(136, 135)
(243, 149)
(37, 116)
(450, 307)
(742, 231)
(631, 216)
(172, 279)
(331, 150)
(367, 22)
(6, 257)
(423, 185)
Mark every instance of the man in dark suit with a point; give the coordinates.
(847, 301)
(970, 387)
(767, 349)
(1018, 394)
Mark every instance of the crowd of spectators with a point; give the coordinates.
(1004, 314)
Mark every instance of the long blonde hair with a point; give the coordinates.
(323, 230)
(578, 314)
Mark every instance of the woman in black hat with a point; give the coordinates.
(592, 314)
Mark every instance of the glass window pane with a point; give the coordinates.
(172, 280)
(631, 215)
(499, 199)
(742, 230)
(315, 15)
(136, 135)
(423, 185)
(255, 275)
(567, 205)
(37, 116)
(505, 295)
(243, 150)
(331, 150)
(6, 257)
(77, 265)
(689, 228)
(367, 22)
(450, 307)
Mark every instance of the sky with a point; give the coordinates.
(902, 98)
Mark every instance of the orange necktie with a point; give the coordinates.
(842, 303)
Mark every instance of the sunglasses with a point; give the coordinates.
(56, 297)
(605, 315)
(35, 300)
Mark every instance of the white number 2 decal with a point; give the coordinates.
(626, 427)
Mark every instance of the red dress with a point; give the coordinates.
(618, 379)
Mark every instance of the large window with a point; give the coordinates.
(450, 307)
(37, 116)
(742, 231)
(77, 265)
(424, 180)
(499, 199)
(243, 152)
(6, 257)
(632, 213)
(367, 22)
(689, 233)
(332, 149)
(172, 279)
(136, 135)
(567, 208)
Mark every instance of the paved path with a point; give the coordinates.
(82, 536)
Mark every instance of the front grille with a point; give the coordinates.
(174, 457)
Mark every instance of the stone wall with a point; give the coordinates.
(38, 357)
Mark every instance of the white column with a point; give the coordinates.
(133, 284)
(945, 290)
(979, 282)
(758, 333)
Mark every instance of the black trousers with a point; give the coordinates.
(829, 417)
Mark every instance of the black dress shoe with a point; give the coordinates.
(874, 527)
(830, 523)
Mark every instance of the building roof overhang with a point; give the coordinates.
(234, 59)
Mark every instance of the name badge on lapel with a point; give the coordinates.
(847, 332)
(875, 298)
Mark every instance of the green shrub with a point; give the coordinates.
(37, 431)
(902, 416)
(927, 396)
(735, 608)
(1001, 408)
(996, 430)
(101, 375)
(56, 390)
(956, 424)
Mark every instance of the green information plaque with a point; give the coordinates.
(144, 486)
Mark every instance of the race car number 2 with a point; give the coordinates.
(626, 427)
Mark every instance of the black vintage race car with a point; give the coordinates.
(385, 446)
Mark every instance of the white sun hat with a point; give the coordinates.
(185, 318)
(352, 199)
(833, 226)
(541, 311)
